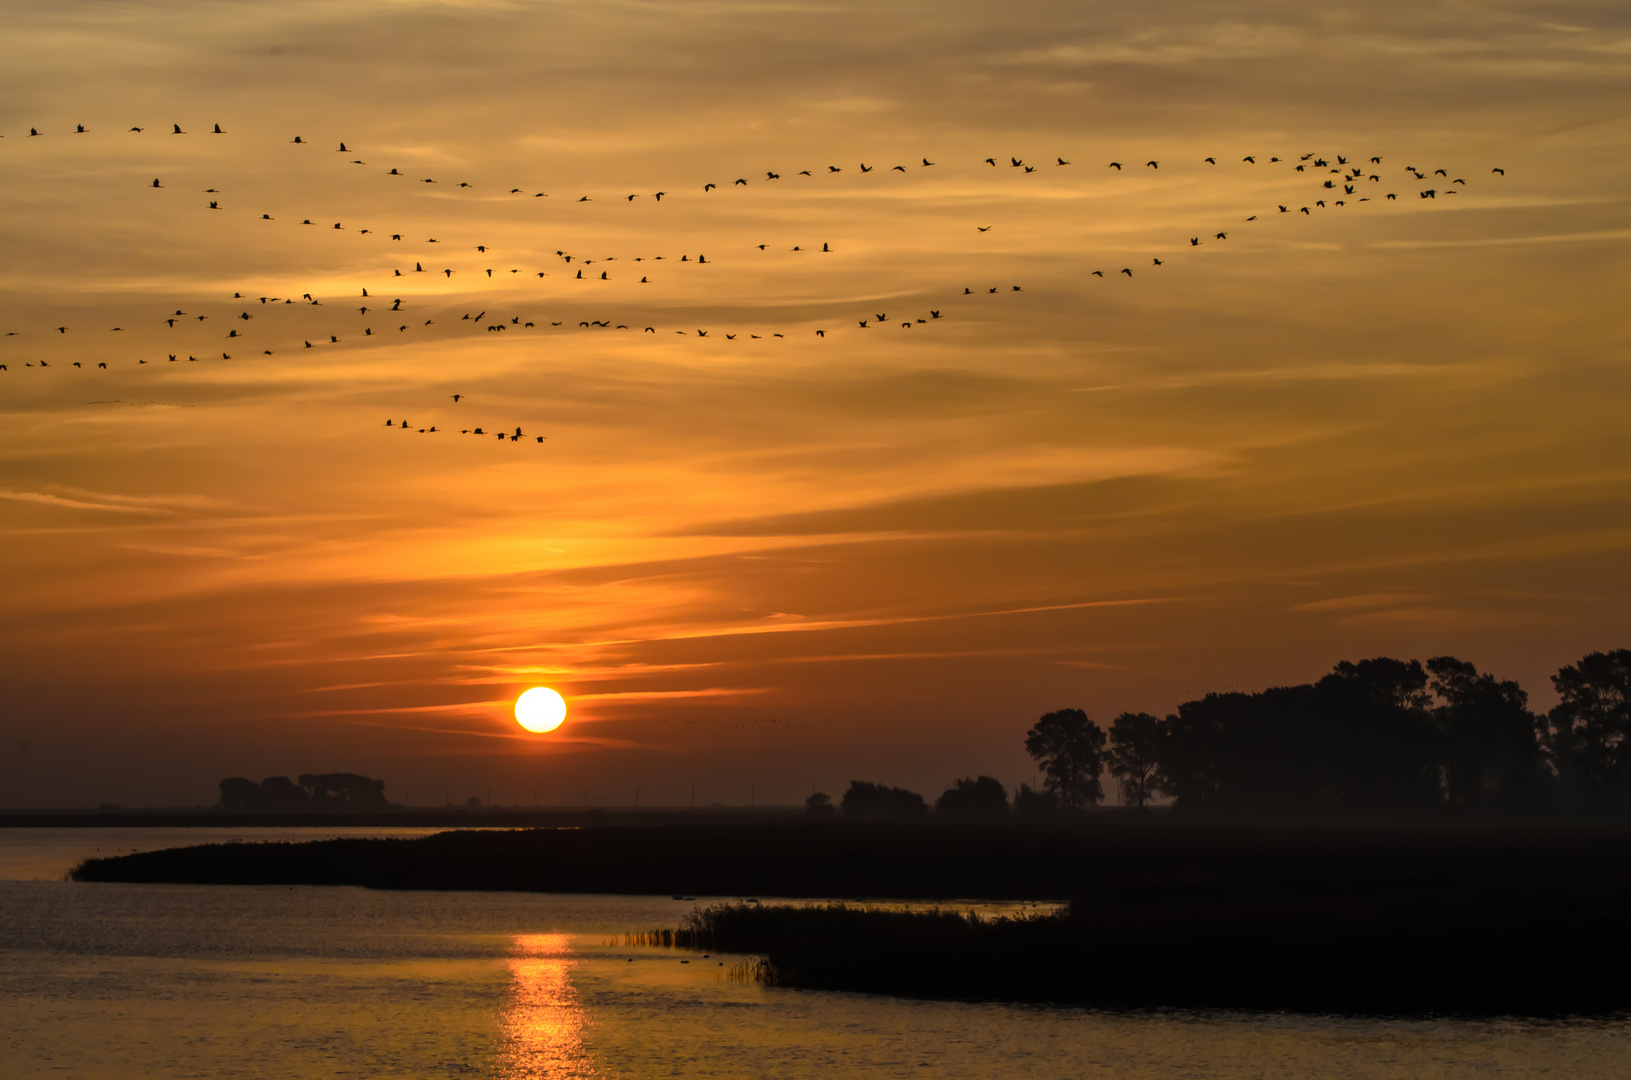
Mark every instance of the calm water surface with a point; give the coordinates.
(124, 980)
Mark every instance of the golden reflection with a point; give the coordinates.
(542, 1025)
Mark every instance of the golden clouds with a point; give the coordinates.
(1094, 490)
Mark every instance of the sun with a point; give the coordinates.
(540, 709)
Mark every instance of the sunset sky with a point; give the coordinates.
(1387, 427)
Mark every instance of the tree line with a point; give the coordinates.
(1377, 736)
(313, 791)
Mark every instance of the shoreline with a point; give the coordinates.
(1383, 919)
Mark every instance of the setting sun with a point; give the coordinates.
(540, 709)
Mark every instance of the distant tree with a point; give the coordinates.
(1135, 756)
(1588, 733)
(864, 799)
(1492, 759)
(344, 791)
(238, 793)
(970, 797)
(1028, 802)
(1378, 744)
(281, 793)
(819, 805)
(1361, 740)
(1070, 749)
(1235, 752)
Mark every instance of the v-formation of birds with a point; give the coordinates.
(1342, 181)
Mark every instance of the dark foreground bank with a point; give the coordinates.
(1261, 953)
(1389, 919)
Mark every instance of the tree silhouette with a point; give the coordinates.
(1069, 748)
(1135, 756)
(984, 797)
(1381, 748)
(1490, 753)
(1028, 802)
(819, 805)
(1587, 732)
(864, 799)
(281, 793)
(344, 791)
(238, 793)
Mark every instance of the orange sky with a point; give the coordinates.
(1381, 428)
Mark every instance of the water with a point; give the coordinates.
(123, 980)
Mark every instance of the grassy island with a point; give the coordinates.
(1383, 918)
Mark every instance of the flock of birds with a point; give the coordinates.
(1341, 180)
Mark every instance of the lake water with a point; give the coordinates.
(158, 981)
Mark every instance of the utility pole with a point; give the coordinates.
(750, 796)
(637, 796)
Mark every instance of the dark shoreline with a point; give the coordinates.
(1394, 918)
(1240, 961)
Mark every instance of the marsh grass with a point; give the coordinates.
(1284, 956)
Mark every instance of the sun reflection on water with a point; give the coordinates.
(542, 1024)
